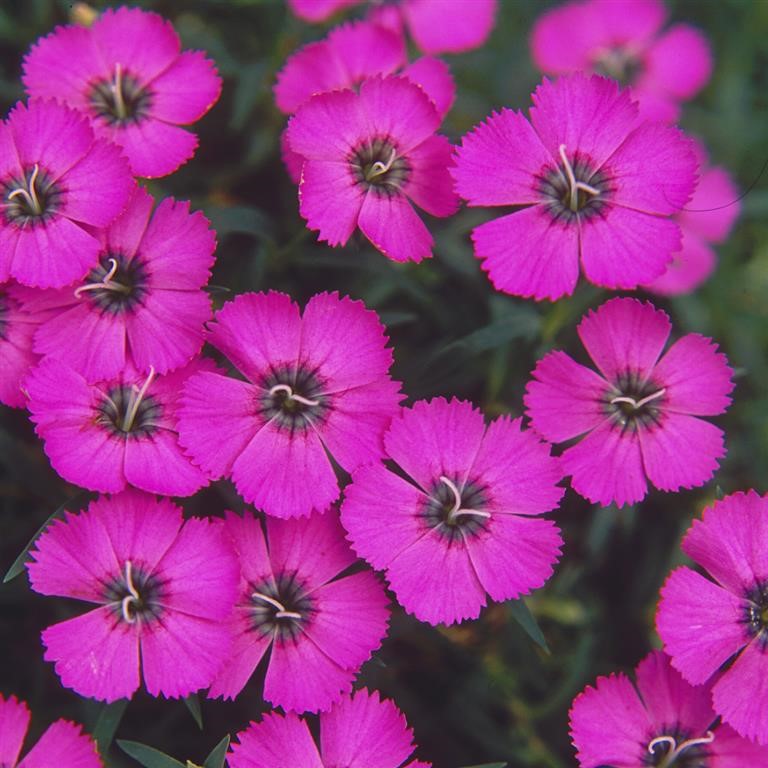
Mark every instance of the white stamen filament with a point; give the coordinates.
(379, 168)
(133, 597)
(677, 749)
(30, 194)
(137, 395)
(573, 185)
(281, 612)
(456, 510)
(117, 91)
(291, 395)
(106, 283)
(637, 404)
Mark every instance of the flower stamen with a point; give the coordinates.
(30, 193)
(675, 749)
(638, 404)
(573, 185)
(281, 612)
(291, 395)
(132, 598)
(137, 395)
(106, 283)
(456, 510)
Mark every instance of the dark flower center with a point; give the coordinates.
(676, 748)
(128, 411)
(134, 595)
(618, 63)
(281, 607)
(121, 100)
(376, 165)
(573, 189)
(293, 398)
(117, 284)
(756, 614)
(32, 199)
(633, 402)
(456, 510)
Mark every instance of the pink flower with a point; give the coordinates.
(597, 189)
(706, 623)
(115, 433)
(312, 384)
(57, 181)
(463, 522)
(360, 731)
(127, 72)
(707, 219)
(368, 154)
(321, 628)
(662, 721)
(164, 588)
(625, 41)
(437, 26)
(637, 419)
(63, 743)
(143, 305)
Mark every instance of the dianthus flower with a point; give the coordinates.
(707, 219)
(462, 524)
(143, 305)
(320, 628)
(436, 26)
(597, 189)
(663, 722)
(57, 181)
(164, 587)
(706, 623)
(625, 41)
(313, 384)
(63, 743)
(367, 155)
(114, 433)
(128, 73)
(359, 732)
(638, 417)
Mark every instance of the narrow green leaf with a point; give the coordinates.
(20, 561)
(218, 754)
(108, 723)
(149, 757)
(526, 620)
(192, 703)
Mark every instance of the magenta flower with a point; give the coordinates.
(63, 743)
(114, 433)
(367, 155)
(320, 628)
(637, 419)
(359, 732)
(705, 623)
(597, 189)
(463, 524)
(164, 588)
(706, 220)
(663, 721)
(128, 73)
(143, 305)
(313, 384)
(625, 41)
(436, 26)
(57, 181)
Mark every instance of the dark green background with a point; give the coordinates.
(481, 691)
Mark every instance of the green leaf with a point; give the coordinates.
(526, 620)
(192, 703)
(20, 561)
(218, 754)
(107, 724)
(149, 757)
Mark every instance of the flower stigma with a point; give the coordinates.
(675, 749)
(457, 511)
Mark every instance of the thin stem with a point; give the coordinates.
(135, 402)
